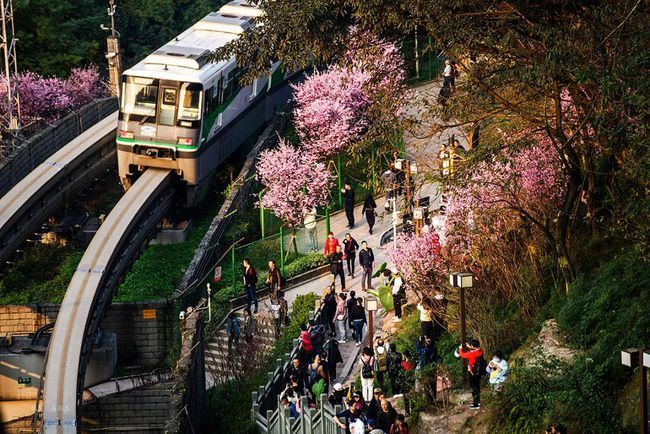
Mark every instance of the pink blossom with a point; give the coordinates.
(419, 258)
(295, 182)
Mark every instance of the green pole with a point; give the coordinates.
(430, 56)
(282, 249)
(327, 220)
(261, 214)
(338, 169)
(232, 264)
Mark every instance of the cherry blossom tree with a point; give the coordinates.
(295, 182)
(331, 110)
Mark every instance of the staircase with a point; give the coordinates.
(244, 358)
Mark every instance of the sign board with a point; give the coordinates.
(417, 214)
(149, 313)
(217, 274)
(414, 167)
(399, 164)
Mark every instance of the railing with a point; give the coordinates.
(39, 147)
(270, 417)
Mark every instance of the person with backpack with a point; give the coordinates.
(250, 282)
(274, 280)
(358, 316)
(367, 361)
(394, 368)
(476, 367)
(233, 330)
(381, 361)
(341, 317)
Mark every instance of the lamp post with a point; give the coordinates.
(462, 281)
(372, 305)
(631, 358)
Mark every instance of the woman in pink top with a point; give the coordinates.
(305, 345)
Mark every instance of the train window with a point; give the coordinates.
(168, 106)
(140, 97)
(190, 107)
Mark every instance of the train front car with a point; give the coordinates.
(181, 111)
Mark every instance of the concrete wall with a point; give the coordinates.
(145, 409)
(144, 330)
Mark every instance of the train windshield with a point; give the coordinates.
(140, 96)
(190, 107)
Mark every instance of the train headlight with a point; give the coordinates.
(184, 141)
(126, 134)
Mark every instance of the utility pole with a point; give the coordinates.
(9, 66)
(114, 56)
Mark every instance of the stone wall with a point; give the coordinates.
(144, 330)
(145, 409)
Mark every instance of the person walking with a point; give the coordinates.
(341, 317)
(399, 294)
(336, 267)
(447, 74)
(426, 324)
(348, 203)
(358, 316)
(369, 206)
(311, 226)
(367, 261)
(349, 304)
(330, 244)
(350, 252)
(249, 326)
(274, 280)
(367, 361)
(233, 330)
(389, 178)
(473, 353)
(328, 308)
(250, 282)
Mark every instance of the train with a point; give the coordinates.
(180, 110)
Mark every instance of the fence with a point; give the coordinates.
(209, 249)
(39, 147)
(423, 61)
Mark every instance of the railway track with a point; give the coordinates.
(30, 202)
(117, 243)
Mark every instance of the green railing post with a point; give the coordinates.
(327, 220)
(372, 162)
(282, 249)
(233, 265)
(261, 215)
(338, 169)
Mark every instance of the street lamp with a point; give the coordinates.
(372, 305)
(631, 358)
(462, 281)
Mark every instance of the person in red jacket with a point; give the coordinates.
(474, 355)
(306, 348)
(330, 244)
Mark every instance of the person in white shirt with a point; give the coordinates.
(498, 370)
(310, 225)
(447, 74)
(399, 295)
(426, 323)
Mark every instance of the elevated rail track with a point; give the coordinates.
(120, 239)
(32, 200)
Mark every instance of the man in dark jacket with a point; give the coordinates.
(336, 267)
(348, 203)
(274, 280)
(350, 303)
(334, 357)
(297, 370)
(367, 260)
(250, 282)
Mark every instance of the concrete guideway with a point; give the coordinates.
(107, 257)
(24, 208)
